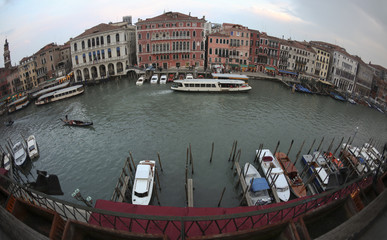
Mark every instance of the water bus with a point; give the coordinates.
(60, 94)
(18, 104)
(50, 89)
(210, 85)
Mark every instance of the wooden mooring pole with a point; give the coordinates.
(276, 148)
(310, 149)
(161, 166)
(232, 149)
(221, 196)
(298, 154)
(291, 144)
(212, 152)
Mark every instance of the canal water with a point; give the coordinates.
(152, 119)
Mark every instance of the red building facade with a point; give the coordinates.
(171, 40)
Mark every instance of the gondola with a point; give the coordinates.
(77, 123)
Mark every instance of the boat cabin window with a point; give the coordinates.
(31, 148)
(267, 159)
(197, 85)
(213, 85)
(141, 194)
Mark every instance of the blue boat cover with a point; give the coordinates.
(361, 160)
(259, 184)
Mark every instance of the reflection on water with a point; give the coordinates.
(152, 118)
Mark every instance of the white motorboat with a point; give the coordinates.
(140, 81)
(154, 79)
(257, 185)
(18, 104)
(189, 76)
(143, 182)
(210, 85)
(19, 154)
(6, 161)
(322, 176)
(274, 173)
(32, 147)
(163, 79)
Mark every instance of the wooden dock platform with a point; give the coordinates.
(123, 189)
(242, 181)
(190, 192)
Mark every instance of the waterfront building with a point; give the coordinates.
(379, 85)
(254, 49)
(171, 41)
(218, 51)
(322, 61)
(239, 46)
(64, 65)
(27, 73)
(283, 59)
(300, 58)
(13, 80)
(268, 53)
(364, 78)
(343, 70)
(103, 50)
(46, 62)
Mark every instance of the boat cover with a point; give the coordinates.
(259, 184)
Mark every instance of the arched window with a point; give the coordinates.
(108, 39)
(97, 41)
(101, 40)
(88, 43)
(75, 47)
(93, 42)
(117, 37)
(83, 44)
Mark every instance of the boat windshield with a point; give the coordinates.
(141, 194)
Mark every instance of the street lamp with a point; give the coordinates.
(357, 128)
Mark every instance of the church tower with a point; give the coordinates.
(7, 56)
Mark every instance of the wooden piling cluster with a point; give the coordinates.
(189, 181)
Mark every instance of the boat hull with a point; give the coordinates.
(143, 182)
(292, 176)
(281, 186)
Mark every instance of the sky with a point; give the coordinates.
(357, 25)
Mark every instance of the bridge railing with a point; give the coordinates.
(180, 227)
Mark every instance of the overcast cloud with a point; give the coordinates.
(358, 26)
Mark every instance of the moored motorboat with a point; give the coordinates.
(32, 147)
(257, 186)
(19, 154)
(336, 161)
(143, 182)
(321, 175)
(291, 173)
(18, 104)
(6, 161)
(274, 174)
(140, 81)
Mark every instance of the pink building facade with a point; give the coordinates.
(171, 41)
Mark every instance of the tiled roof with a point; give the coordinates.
(169, 16)
(103, 27)
(45, 48)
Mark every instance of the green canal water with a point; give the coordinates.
(152, 118)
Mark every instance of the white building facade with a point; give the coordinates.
(343, 71)
(300, 58)
(103, 51)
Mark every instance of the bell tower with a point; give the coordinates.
(7, 56)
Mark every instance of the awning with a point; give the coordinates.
(283, 71)
(327, 83)
(242, 65)
(270, 68)
(234, 65)
(252, 65)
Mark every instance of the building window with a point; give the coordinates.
(118, 52)
(139, 36)
(194, 33)
(210, 40)
(93, 42)
(109, 53)
(83, 44)
(108, 39)
(147, 35)
(101, 40)
(90, 59)
(103, 54)
(117, 37)
(76, 60)
(139, 48)
(75, 47)
(147, 47)
(97, 41)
